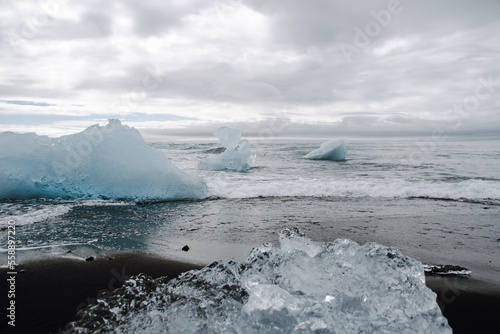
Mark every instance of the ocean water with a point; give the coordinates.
(438, 203)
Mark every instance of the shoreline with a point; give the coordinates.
(50, 291)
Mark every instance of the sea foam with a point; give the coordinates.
(304, 186)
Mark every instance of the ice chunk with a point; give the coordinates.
(228, 137)
(305, 287)
(100, 162)
(335, 149)
(238, 155)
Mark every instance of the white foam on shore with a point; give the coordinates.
(36, 215)
(353, 187)
(4, 250)
(42, 213)
(99, 202)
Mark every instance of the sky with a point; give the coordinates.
(276, 68)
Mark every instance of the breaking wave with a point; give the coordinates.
(468, 190)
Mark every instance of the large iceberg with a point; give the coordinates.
(304, 287)
(238, 155)
(111, 162)
(335, 149)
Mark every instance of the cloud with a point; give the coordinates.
(156, 17)
(219, 82)
(407, 64)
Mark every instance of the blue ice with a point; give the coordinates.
(111, 161)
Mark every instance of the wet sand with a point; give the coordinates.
(49, 292)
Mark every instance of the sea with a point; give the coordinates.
(437, 202)
(397, 192)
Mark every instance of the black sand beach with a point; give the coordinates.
(470, 305)
(50, 291)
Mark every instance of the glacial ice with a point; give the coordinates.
(228, 137)
(112, 162)
(238, 155)
(335, 149)
(304, 287)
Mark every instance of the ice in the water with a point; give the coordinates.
(304, 287)
(112, 162)
(238, 155)
(335, 149)
(228, 137)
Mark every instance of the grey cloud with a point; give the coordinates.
(445, 48)
(152, 18)
(319, 23)
(95, 18)
(367, 126)
(100, 19)
(43, 22)
(208, 81)
(33, 118)
(306, 23)
(156, 17)
(32, 88)
(72, 30)
(218, 82)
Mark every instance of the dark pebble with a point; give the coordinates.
(185, 248)
(90, 258)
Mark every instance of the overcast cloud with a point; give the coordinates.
(314, 67)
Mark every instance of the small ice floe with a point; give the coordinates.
(335, 150)
(237, 155)
(448, 270)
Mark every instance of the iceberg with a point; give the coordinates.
(304, 287)
(237, 156)
(109, 162)
(335, 149)
(228, 137)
